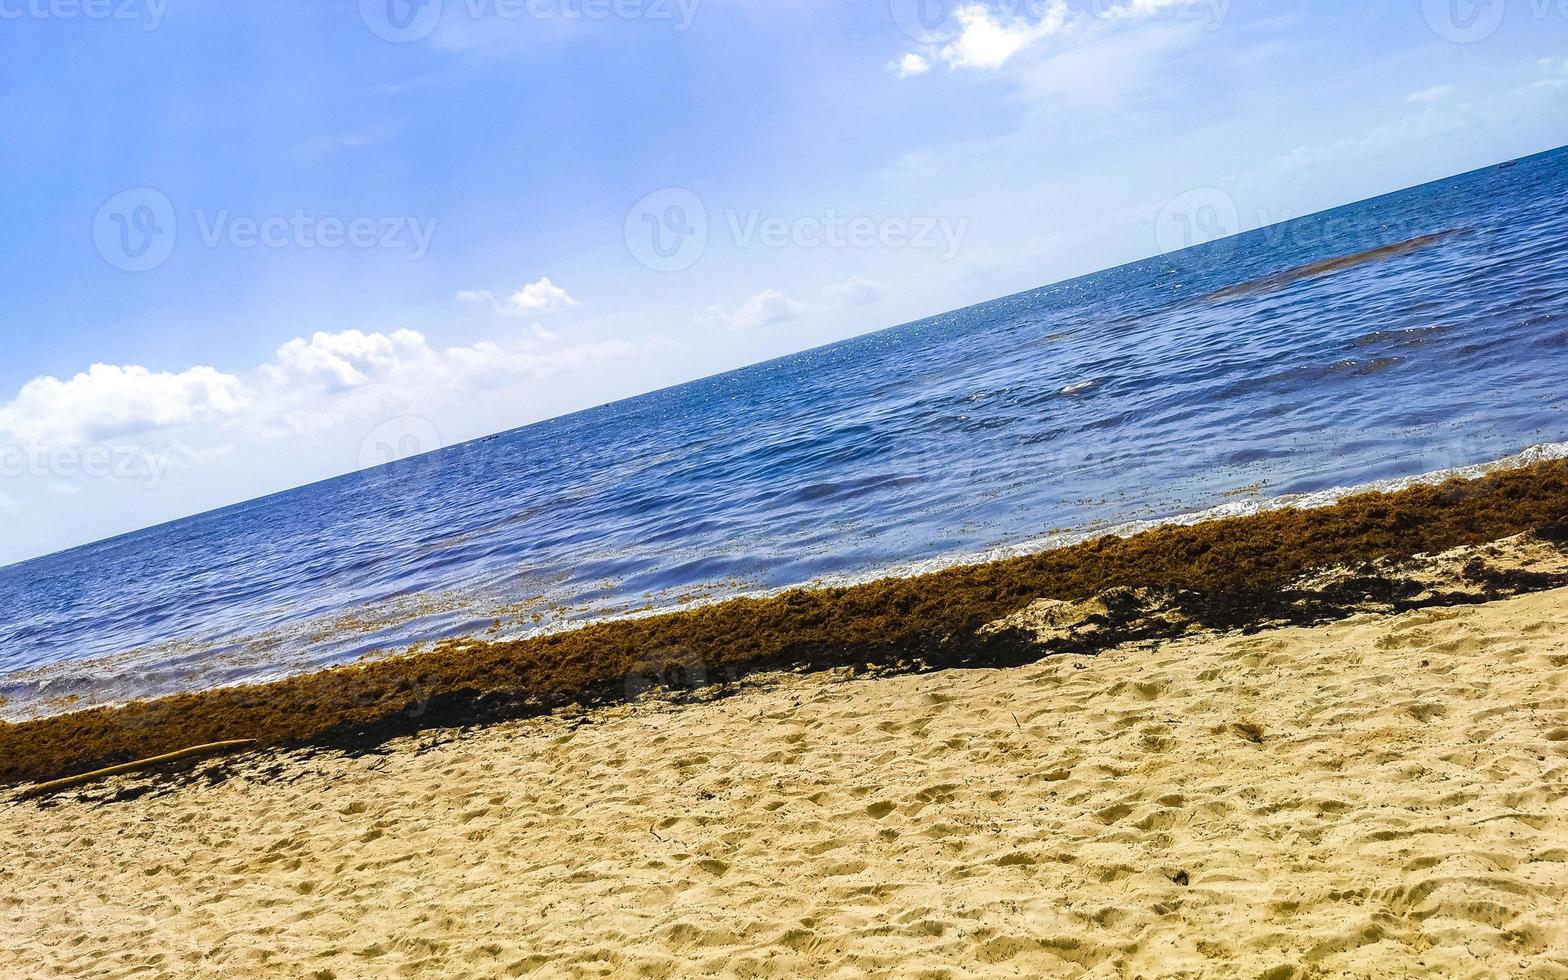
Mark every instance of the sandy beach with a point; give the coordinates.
(1383, 796)
(919, 489)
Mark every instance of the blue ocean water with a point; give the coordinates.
(1139, 393)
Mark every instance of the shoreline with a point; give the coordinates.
(74, 686)
(1235, 572)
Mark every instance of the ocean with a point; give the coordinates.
(1411, 334)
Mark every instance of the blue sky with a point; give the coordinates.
(250, 246)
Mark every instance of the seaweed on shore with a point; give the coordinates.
(1233, 574)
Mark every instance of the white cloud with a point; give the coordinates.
(543, 296)
(916, 165)
(356, 139)
(341, 361)
(990, 34)
(1141, 9)
(333, 378)
(770, 307)
(108, 401)
(1454, 120)
(989, 40)
(855, 292)
(1556, 73)
(766, 309)
(308, 385)
(1107, 67)
(1436, 93)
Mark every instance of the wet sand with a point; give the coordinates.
(1382, 796)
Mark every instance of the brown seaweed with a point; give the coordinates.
(1236, 573)
(1327, 266)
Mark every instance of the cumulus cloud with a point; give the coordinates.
(853, 292)
(1555, 72)
(107, 401)
(766, 309)
(770, 307)
(1506, 112)
(1436, 93)
(1142, 9)
(308, 385)
(333, 378)
(543, 296)
(342, 361)
(989, 39)
(987, 34)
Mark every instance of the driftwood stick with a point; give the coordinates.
(44, 789)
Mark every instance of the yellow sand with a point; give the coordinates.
(1382, 797)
